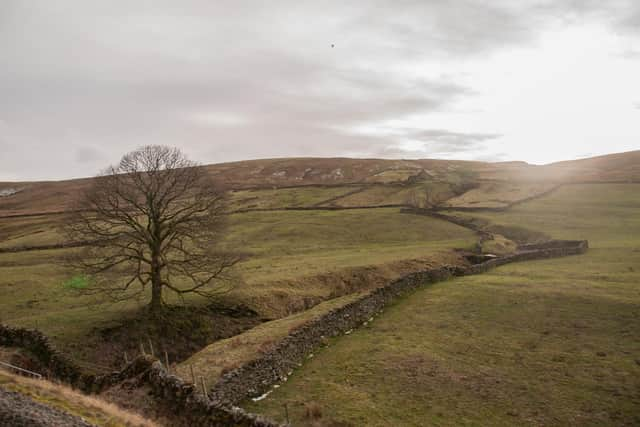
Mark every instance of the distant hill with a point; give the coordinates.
(57, 196)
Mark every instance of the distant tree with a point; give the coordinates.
(152, 222)
(424, 197)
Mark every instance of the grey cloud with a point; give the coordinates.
(89, 155)
(456, 139)
(620, 15)
(442, 142)
(76, 75)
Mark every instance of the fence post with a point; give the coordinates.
(204, 388)
(286, 413)
(193, 375)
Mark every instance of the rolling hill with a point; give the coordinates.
(27, 198)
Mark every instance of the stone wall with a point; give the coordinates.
(173, 393)
(181, 397)
(257, 376)
(53, 362)
(26, 248)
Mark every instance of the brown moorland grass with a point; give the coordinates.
(56, 196)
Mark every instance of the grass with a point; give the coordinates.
(498, 194)
(285, 197)
(91, 409)
(552, 342)
(605, 214)
(297, 259)
(227, 354)
(30, 231)
(379, 195)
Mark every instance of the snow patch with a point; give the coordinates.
(6, 192)
(259, 398)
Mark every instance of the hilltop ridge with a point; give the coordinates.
(57, 196)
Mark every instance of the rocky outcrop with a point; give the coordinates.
(17, 410)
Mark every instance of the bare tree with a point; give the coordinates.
(152, 222)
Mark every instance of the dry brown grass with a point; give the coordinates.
(61, 397)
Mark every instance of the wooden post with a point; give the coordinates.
(151, 347)
(193, 375)
(204, 388)
(142, 350)
(166, 361)
(286, 413)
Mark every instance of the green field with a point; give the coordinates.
(295, 259)
(551, 342)
(286, 197)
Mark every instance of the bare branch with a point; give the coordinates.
(154, 219)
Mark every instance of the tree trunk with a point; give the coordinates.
(156, 285)
(156, 298)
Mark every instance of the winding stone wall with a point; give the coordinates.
(27, 248)
(181, 397)
(54, 363)
(257, 376)
(172, 392)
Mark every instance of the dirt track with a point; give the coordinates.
(17, 410)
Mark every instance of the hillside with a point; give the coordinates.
(316, 235)
(382, 181)
(547, 342)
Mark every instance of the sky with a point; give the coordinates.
(84, 82)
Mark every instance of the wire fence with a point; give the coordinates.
(22, 370)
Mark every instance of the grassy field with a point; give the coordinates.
(285, 197)
(498, 194)
(30, 231)
(296, 259)
(551, 342)
(380, 195)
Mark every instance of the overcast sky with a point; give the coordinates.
(82, 82)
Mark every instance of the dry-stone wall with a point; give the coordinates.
(54, 363)
(181, 397)
(173, 393)
(258, 376)
(27, 248)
